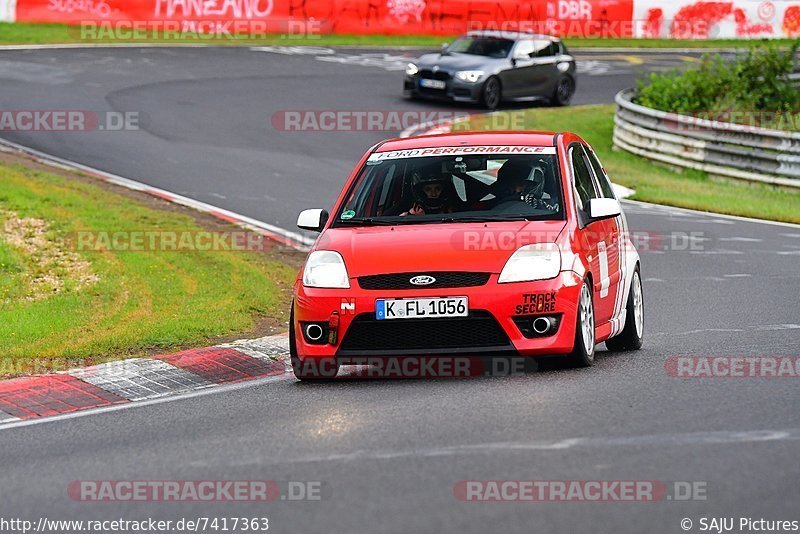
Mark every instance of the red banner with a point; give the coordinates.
(567, 18)
(731, 19)
(610, 18)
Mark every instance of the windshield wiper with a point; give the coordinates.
(487, 218)
(366, 221)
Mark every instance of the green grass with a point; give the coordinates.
(27, 33)
(12, 266)
(654, 183)
(143, 301)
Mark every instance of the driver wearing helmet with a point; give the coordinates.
(523, 181)
(431, 194)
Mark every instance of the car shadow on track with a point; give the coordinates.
(438, 369)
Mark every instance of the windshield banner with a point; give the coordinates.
(462, 151)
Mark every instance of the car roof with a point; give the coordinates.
(543, 139)
(502, 34)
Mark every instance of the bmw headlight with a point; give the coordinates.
(470, 76)
(532, 262)
(411, 69)
(325, 268)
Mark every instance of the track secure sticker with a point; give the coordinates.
(537, 303)
(347, 215)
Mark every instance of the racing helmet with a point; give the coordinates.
(424, 182)
(531, 174)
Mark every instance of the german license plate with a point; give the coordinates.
(418, 308)
(432, 84)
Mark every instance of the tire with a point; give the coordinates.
(492, 93)
(312, 369)
(583, 351)
(632, 333)
(564, 91)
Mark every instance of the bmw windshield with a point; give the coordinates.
(459, 184)
(482, 46)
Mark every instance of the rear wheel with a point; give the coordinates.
(633, 333)
(310, 369)
(492, 93)
(565, 89)
(583, 352)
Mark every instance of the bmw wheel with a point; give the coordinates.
(565, 89)
(492, 93)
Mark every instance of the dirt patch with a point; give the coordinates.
(51, 263)
(264, 326)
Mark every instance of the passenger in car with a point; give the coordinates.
(524, 181)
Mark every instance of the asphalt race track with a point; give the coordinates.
(388, 453)
(205, 115)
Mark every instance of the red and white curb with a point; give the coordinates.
(142, 379)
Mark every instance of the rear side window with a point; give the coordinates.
(526, 48)
(546, 48)
(583, 178)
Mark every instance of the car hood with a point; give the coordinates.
(476, 247)
(456, 62)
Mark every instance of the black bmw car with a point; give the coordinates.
(492, 67)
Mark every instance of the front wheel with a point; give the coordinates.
(633, 332)
(492, 93)
(583, 352)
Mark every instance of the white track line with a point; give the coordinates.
(712, 214)
(159, 400)
(436, 127)
(287, 237)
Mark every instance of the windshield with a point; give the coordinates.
(413, 187)
(482, 46)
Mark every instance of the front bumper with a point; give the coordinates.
(497, 303)
(455, 90)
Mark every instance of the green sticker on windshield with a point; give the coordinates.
(349, 214)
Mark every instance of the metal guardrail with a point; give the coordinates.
(723, 149)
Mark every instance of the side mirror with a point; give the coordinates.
(444, 47)
(313, 220)
(604, 208)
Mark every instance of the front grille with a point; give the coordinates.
(443, 280)
(480, 331)
(438, 75)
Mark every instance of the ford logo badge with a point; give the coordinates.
(423, 280)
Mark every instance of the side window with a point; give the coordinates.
(546, 48)
(525, 47)
(602, 178)
(583, 178)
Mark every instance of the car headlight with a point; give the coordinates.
(532, 262)
(411, 69)
(470, 76)
(325, 268)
